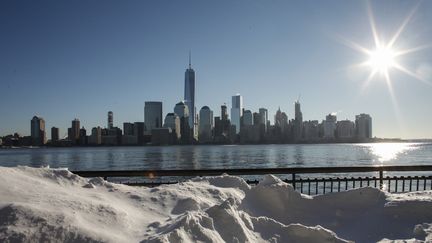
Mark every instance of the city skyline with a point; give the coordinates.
(255, 128)
(268, 72)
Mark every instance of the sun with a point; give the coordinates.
(385, 57)
(382, 59)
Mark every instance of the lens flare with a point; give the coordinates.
(382, 57)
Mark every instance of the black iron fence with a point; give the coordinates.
(325, 179)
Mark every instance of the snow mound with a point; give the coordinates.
(225, 181)
(225, 223)
(46, 205)
(350, 213)
(24, 224)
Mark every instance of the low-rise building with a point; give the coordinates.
(162, 136)
(129, 140)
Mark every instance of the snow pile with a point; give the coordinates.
(39, 205)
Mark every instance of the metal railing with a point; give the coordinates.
(311, 186)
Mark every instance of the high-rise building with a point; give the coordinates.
(280, 119)
(152, 115)
(363, 123)
(263, 117)
(345, 129)
(237, 111)
(55, 134)
(128, 128)
(110, 120)
(189, 95)
(311, 130)
(256, 118)
(96, 136)
(222, 127)
(183, 112)
(69, 133)
(75, 131)
(129, 137)
(206, 124)
(139, 128)
(247, 118)
(224, 112)
(83, 136)
(172, 121)
(329, 126)
(298, 122)
(38, 134)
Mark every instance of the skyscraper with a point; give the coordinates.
(152, 115)
(172, 121)
(236, 111)
(247, 118)
(263, 117)
(298, 122)
(189, 95)
(96, 136)
(281, 120)
(222, 127)
(110, 120)
(75, 131)
(128, 128)
(224, 112)
(139, 128)
(329, 126)
(363, 123)
(182, 111)
(37, 127)
(256, 118)
(345, 129)
(206, 124)
(83, 136)
(55, 134)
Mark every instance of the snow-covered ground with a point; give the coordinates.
(42, 204)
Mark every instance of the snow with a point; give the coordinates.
(54, 205)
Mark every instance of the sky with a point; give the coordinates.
(80, 59)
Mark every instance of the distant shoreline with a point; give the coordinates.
(375, 140)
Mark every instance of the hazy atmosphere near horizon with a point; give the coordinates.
(80, 59)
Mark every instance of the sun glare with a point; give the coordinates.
(385, 58)
(388, 151)
(382, 59)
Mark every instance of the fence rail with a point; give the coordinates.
(307, 185)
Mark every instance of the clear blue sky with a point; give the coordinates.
(67, 59)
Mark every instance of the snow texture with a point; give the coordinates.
(54, 205)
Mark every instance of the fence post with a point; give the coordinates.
(381, 175)
(293, 181)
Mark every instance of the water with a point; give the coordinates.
(220, 156)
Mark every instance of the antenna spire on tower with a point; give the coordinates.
(189, 59)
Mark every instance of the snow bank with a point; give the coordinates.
(41, 204)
